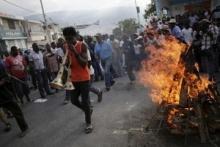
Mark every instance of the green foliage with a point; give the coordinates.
(117, 31)
(151, 9)
(127, 26)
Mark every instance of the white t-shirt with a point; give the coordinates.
(121, 43)
(54, 50)
(188, 35)
(37, 58)
(59, 52)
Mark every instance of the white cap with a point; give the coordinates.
(172, 20)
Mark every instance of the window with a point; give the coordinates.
(11, 24)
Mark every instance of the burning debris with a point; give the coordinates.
(188, 101)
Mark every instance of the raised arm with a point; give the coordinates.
(82, 57)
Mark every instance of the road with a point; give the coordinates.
(54, 125)
(119, 121)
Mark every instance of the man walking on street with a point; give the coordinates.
(77, 54)
(104, 52)
(40, 71)
(51, 62)
(92, 88)
(117, 56)
(95, 63)
(129, 57)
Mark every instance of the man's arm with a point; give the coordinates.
(82, 57)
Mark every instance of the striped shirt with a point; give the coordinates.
(215, 32)
(206, 42)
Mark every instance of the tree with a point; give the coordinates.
(128, 26)
(117, 31)
(151, 9)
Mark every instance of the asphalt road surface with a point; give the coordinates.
(119, 121)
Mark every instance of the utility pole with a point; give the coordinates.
(138, 13)
(45, 22)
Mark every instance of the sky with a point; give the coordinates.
(102, 6)
(69, 5)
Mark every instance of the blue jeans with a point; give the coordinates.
(97, 70)
(106, 64)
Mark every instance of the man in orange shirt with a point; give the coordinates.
(80, 76)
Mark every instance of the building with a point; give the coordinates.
(175, 7)
(35, 32)
(54, 32)
(17, 31)
(12, 32)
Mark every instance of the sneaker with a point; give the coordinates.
(24, 133)
(8, 128)
(100, 96)
(89, 128)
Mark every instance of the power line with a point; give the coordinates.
(29, 10)
(11, 3)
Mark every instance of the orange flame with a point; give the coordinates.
(159, 70)
(163, 72)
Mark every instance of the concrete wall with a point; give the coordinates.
(36, 33)
(17, 23)
(20, 43)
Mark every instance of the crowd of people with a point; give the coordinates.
(96, 58)
(199, 33)
(91, 59)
